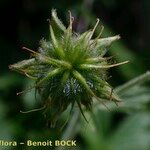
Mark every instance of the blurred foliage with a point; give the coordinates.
(126, 127)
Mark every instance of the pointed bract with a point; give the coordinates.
(57, 21)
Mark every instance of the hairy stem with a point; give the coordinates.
(71, 129)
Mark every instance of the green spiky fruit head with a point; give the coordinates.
(69, 68)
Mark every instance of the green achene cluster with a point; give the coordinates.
(69, 68)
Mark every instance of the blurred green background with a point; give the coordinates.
(24, 23)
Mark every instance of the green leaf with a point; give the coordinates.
(133, 134)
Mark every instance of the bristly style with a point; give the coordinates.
(69, 69)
